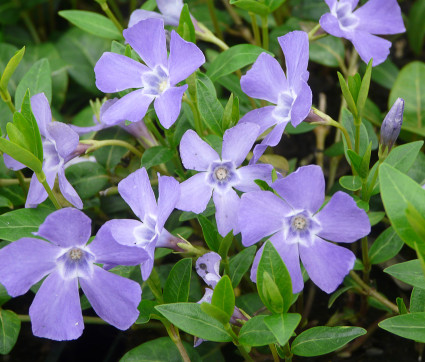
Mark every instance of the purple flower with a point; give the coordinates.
(136, 129)
(170, 13)
(220, 174)
(59, 146)
(67, 261)
(156, 80)
(297, 228)
(291, 94)
(208, 268)
(391, 125)
(380, 17)
(148, 233)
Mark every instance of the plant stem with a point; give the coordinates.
(88, 320)
(255, 28)
(104, 5)
(366, 260)
(4, 93)
(214, 19)
(99, 144)
(265, 29)
(12, 181)
(274, 352)
(42, 178)
(373, 293)
(196, 118)
(312, 32)
(175, 337)
(235, 339)
(288, 353)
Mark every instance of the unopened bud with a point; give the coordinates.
(391, 125)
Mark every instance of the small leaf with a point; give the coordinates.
(270, 294)
(334, 296)
(401, 306)
(147, 310)
(240, 263)
(186, 29)
(251, 5)
(215, 312)
(224, 296)
(385, 247)
(210, 233)
(10, 68)
(282, 325)
(417, 300)
(411, 326)
(155, 156)
(256, 333)
(210, 108)
(347, 95)
(21, 155)
(225, 244)
(364, 89)
(352, 183)
(409, 272)
(177, 286)
(10, 325)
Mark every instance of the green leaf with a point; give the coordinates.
(215, 312)
(88, 178)
(384, 74)
(334, 296)
(21, 223)
(224, 296)
(210, 108)
(155, 156)
(352, 183)
(416, 26)
(347, 94)
(37, 79)
(409, 85)
(177, 286)
(190, 318)
(256, 333)
(240, 263)
(272, 263)
(225, 244)
(11, 67)
(282, 325)
(385, 247)
(160, 349)
(251, 5)
(92, 23)
(21, 155)
(231, 112)
(270, 294)
(364, 89)
(232, 59)
(186, 29)
(416, 221)
(4, 297)
(348, 123)
(409, 272)
(5, 202)
(147, 310)
(375, 217)
(328, 51)
(210, 233)
(401, 306)
(411, 326)
(417, 300)
(273, 4)
(397, 191)
(10, 325)
(321, 340)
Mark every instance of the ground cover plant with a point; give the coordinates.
(212, 180)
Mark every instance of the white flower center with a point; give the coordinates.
(342, 11)
(221, 173)
(76, 254)
(283, 108)
(299, 223)
(156, 82)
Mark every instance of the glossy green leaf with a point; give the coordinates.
(417, 300)
(347, 94)
(210, 108)
(411, 326)
(225, 244)
(240, 264)
(190, 318)
(177, 286)
(416, 221)
(364, 89)
(317, 341)
(10, 325)
(409, 272)
(328, 51)
(186, 29)
(251, 5)
(352, 183)
(147, 310)
(335, 295)
(87, 178)
(385, 247)
(224, 296)
(92, 23)
(416, 26)
(4, 297)
(155, 156)
(231, 112)
(215, 312)
(210, 233)
(256, 333)
(10, 68)
(270, 294)
(282, 325)
(20, 154)
(401, 305)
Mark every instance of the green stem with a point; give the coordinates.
(115, 8)
(104, 5)
(313, 32)
(30, 26)
(87, 320)
(173, 332)
(366, 260)
(265, 29)
(196, 118)
(288, 353)
(235, 339)
(98, 144)
(42, 178)
(214, 19)
(12, 181)
(4, 93)
(255, 28)
(274, 352)
(154, 130)
(357, 124)
(22, 181)
(154, 285)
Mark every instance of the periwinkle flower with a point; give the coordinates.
(60, 144)
(376, 17)
(67, 260)
(148, 233)
(291, 94)
(391, 125)
(297, 228)
(170, 13)
(219, 175)
(156, 80)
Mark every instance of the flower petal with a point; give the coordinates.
(303, 189)
(248, 174)
(302, 104)
(132, 107)
(170, 8)
(140, 14)
(116, 72)
(147, 38)
(238, 141)
(68, 191)
(194, 194)
(380, 17)
(327, 264)
(113, 298)
(265, 80)
(370, 46)
(272, 139)
(330, 24)
(195, 153)
(342, 220)
(261, 116)
(208, 268)
(168, 105)
(260, 214)
(11, 163)
(36, 193)
(226, 211)
(122, 231)
(147, 266)
(136, 190)
(66, 227)
(169, 194)
(56, 311)
(64, 137)
(185, 58)
(24, 263)
(41, 109)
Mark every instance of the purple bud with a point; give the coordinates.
(391, 125)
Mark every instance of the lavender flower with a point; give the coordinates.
(220, 174)
(67, 261)
(298, 229)
(59, 146)
(156, 81)
(170, 13)
(380, 17)
(291, 94)
(391, 124)
(148, 233)
(207, 267)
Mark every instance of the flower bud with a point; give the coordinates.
(391, 125)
